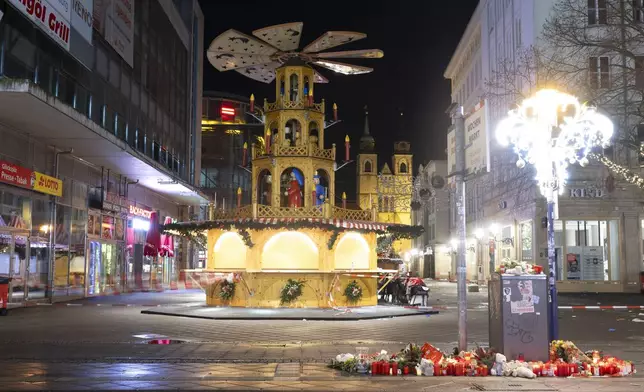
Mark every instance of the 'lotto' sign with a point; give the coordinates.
(47, 184)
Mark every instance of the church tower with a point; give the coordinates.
(367, 168)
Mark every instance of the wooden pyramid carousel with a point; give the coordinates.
(292, 246)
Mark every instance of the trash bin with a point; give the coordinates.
(4, 294)
(518, 316)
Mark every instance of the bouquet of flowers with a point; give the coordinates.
(514, 267)
(227, 290)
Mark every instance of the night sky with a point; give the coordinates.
(417, 37)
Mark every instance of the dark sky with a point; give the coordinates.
(417, 36)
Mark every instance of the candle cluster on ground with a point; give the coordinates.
(566, 360)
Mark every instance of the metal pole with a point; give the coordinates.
(52, 231)
(461, 268)
(553, 324)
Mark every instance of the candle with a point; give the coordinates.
(374, 368)
(335, 112)
(347, 145)
(314, 198)
(394, 368)
(244, 151)
(268, 141)
(385, 368)
(406, 370)
(344, 200)
(310, 97)
(459, 369)
(252, 103)
(239, 197)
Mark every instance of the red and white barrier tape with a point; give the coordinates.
(602, 307)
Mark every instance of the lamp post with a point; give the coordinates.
(551, 131)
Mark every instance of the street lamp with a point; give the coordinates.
(551, 131)
(478, 233)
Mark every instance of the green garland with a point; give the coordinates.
(291, 291)
(245, 235)
(193, 229)
(353, 292)
(227, 291)
(333, 239)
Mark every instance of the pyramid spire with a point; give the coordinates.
(367, 142)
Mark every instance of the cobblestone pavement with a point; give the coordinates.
(106, 347)
(26, 376)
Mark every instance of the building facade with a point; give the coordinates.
(390, 188)
(506, 216)
(103, 114)
(434, 258)
(226, 127)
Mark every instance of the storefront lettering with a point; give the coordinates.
(138, 211)
(591, 193)
(15, 175)
(47, 18)
(48, 185)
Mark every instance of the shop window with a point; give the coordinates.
(592, 250)
(526, 241)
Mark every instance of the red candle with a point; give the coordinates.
(437, 370)
(450, 369)
(484, 370)
(385, 368)
(310, 98)
(394, 368)
(347, 145)
(313, 198)
(239, 197)
(244, 151)
(459, 369)
(374, 368)
(406, 370)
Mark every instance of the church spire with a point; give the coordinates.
(366, 121)
(367, 142)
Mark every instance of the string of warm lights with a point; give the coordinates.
(619, 170)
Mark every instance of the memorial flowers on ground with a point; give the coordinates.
(566, 360)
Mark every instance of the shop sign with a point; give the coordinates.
(47, 184)
(138, 211)
(586, 193)
(47, 16)
(15, 175)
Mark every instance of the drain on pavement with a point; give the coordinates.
(165, 341)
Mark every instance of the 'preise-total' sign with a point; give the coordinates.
(15, 175)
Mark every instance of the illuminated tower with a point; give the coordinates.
(367, 167)
(294, 136)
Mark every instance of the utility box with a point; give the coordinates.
(518, 312)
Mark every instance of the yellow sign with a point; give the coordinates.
(47, 184)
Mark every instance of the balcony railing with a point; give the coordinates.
(325, 211)
(282, 104)
(295, 151)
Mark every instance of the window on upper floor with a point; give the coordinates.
(639, 72)
(403, 167)
(640, 139)
(367, 167)
(638, 10)
(597, 12)
(599, 72)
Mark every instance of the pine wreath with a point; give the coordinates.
(227, 291)
(353, 292)
(291, 291)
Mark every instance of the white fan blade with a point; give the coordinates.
(264, 73)
(346, 69)
(364, 53)
(331, 39)
(232, 41)
(285, 37)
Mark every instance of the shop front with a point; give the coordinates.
(106, 268)
(24, 230)
(140, 268)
